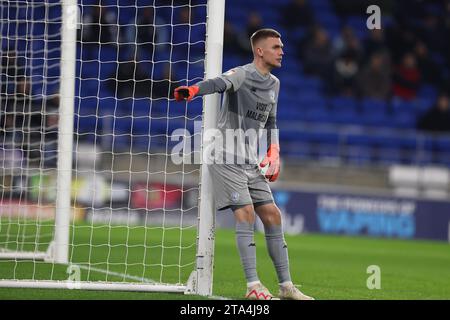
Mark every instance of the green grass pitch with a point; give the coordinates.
(326, 267)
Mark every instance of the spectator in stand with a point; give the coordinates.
(254, 23)
(446, 25)
(430, 71)
(346, 42)
(148, 32)
(12, 67)
(375, 79)
(11, 70)
(130, 80)
(346, 8)
(185, 16)
(297, 13)
(344, 72)
(407, 11)
(432, 31)
(437, 119)
(400, 40)
(50, 147)
(375, 42)
(231, 43)
(24, 116)
(100, 26)
(317, 55)
(406, 78)
(164, 87)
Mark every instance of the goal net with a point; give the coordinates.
(100, 179)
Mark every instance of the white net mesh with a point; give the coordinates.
(134, 211)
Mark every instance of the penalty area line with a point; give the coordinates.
(141, 279)
(116, 274)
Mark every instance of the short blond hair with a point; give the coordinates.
(263, 34)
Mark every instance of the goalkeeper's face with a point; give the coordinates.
(272, 52)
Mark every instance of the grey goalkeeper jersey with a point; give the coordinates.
(247, 118)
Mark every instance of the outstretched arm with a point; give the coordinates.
(231, 79)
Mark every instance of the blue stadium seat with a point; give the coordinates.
(310, 100)
(375, 113)
(86, 106)
(374, 105)
(327, 152)
(329, 21)
(309, 84)
(127, 14)
(194, 109)
(293, 36)
(343, 103)
(107, 105)
(358, 24)
(90, 69)
(421, 105)
(442, 144)
(237, 17)
(427, 91)
(387, 156)
(106, 53)
(159, 108)
(400, 105)
(443, 159)
(346, 116)
(292, 135)
(359, 140)
(376, 120)
(119, 132)
(323, 138)
(405, 120)
(320, 5)
(141, 108)
(296, 150)
(38, 29)
(290, 114)
(396, 141)
(38, 47)
(318, 114)
(108, 70)
(357, 155)
(88, 87)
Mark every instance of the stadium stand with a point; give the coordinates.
(315, 124)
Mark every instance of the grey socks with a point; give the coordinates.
(278, 251)
(247, 249)
(275, 244)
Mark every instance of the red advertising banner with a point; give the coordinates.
(156, 196)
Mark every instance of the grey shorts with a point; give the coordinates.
(239, 185)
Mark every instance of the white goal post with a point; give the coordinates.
(127, 243)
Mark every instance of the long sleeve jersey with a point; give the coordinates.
(249, 106)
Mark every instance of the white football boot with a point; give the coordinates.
(291, 292)
(259, 292)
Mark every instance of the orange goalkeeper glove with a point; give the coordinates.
(273, 160)
(185, 93)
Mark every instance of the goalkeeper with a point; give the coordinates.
(250, 103)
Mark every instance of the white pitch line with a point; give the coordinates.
(117, 274)
(219, 298)
(136, 278)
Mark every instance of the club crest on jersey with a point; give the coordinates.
(272, 94)
(235, 196)
(230, 72)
